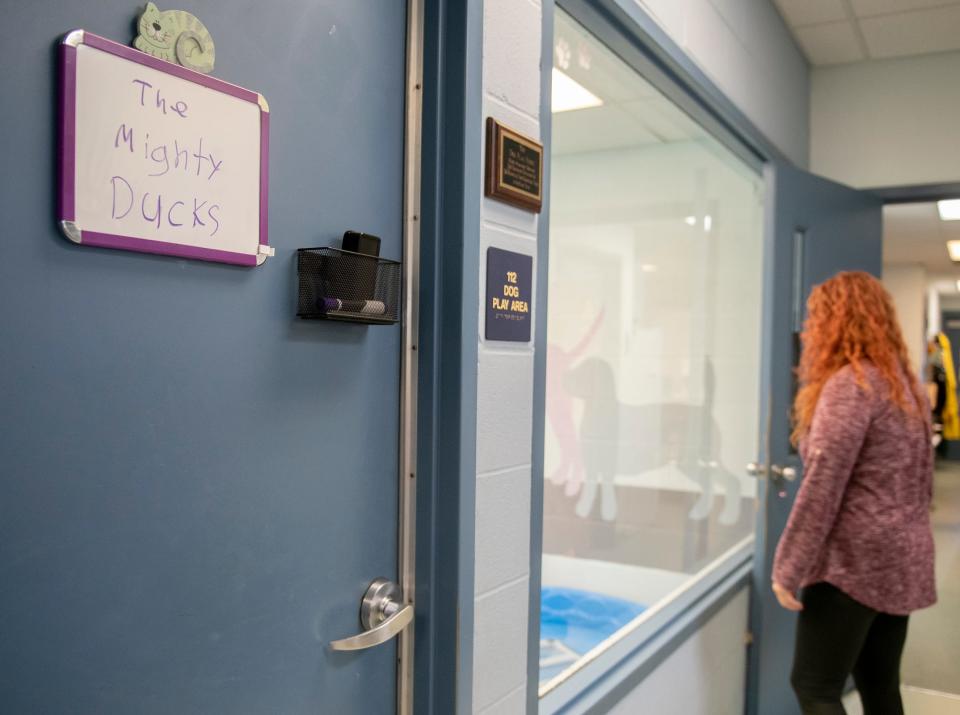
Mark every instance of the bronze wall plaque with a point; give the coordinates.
(514, 167)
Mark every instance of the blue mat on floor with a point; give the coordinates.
(574, 621)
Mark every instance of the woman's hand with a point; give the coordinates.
(786, 599)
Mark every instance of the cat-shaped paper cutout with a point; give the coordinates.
(175, 36)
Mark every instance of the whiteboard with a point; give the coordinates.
(158, 158)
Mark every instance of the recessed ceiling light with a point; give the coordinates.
(949, 210)
(569, 94)
(953, 248)
(691, 220)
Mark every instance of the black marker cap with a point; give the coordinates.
(359, 242)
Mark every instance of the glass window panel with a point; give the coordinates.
(653, 353)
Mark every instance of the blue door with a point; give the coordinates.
(818, 228)
(196, 487)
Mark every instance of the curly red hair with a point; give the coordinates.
(851, 320)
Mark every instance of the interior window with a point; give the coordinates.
(653, 357)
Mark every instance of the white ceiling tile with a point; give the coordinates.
(811, 12)
(914, 233)
(830, 44)
(912, 33)
(905, 219)
(867, 8)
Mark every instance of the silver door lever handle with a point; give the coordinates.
(380, 634)
(381, 615)
(786, 473)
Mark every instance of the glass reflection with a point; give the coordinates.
(653, 354)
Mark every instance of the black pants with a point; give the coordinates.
(837, 636)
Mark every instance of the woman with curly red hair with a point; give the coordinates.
(858, 541)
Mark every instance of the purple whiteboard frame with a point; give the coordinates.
(68, 146)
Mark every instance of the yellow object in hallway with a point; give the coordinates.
(951, 416)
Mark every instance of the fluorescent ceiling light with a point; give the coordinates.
(691, 220)
(949, 210)
(569, 94)
(953, 248)
(707, 222)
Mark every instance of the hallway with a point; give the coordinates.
(932, 657)
(931, 662)
(916, 701)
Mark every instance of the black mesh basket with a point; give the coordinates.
(340, 285)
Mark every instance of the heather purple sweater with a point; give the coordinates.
(861, 520)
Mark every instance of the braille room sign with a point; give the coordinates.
(509, 295)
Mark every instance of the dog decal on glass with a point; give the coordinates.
(560, 411)
(616, 438)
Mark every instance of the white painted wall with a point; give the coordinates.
(706, 675)
(887, 123)
(747, 50)
(908, 287)
(511, 81)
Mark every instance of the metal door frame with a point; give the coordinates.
(406, 558)
(443, 345)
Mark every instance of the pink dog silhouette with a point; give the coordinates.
(560, 410)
